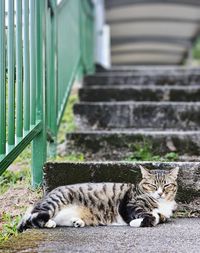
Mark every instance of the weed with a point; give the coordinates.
(9, 226)
(142, 152)
(9, 178)
(171, 156)
(73, 156)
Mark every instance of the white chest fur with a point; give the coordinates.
(166, 208)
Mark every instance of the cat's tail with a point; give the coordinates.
(33, 220)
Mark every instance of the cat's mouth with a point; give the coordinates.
(158, 197)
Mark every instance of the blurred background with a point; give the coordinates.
(147, 32)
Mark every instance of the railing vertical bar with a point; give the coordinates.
(26, 65)
(3, 81)
(55, 73)
(49, 70)
(19, 84)
(32, 62)
(39, 143)
(11, 84)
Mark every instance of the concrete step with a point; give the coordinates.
(137, 115)
(151, 70)
(98, 93)
(120, 78)
(120, 145)
(72, 173)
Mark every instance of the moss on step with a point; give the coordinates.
(143, 152)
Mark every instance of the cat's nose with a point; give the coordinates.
(160, 193)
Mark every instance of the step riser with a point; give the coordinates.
(71, 173)
(120, 146)
(143, 80)
(138, 115)
(135, 94)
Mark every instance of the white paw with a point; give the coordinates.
(77, 223)
(50, 224)
(136, 223)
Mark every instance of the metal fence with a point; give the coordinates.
(43, 47)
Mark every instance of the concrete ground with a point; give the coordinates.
(180, 235)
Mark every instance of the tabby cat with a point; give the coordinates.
(151, 202)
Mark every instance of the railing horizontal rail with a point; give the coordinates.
(21, 144)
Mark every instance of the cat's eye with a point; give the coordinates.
(151, 186)
(169, 186)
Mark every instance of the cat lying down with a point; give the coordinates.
(151, 202)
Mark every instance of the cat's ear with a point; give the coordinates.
(145, 172)
(174, 172)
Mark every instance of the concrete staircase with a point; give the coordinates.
(119, 108)
(125, 107)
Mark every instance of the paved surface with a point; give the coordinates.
(180, 235)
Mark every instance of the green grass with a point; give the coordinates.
(67, 122)
(17, 176)
(9, 227)
(9, 178)
(72, 157)
(21, 173)
(196, 50)
(67, 126)
(143, 152)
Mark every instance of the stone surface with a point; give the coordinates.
(119, 145)
(120, 78)
(177, 236)
(139, 93)
(156, 115)
(57, 174)
(167, 70)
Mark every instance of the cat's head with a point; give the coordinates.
(160, 184)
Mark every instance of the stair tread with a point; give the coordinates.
(139, 103)
(140, 87)
(145, 74)
(137, 131)
(153, 68)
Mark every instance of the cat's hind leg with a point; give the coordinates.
(70, 216)
(78, 223)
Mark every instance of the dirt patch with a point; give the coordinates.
(17, 199)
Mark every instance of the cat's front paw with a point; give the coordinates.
(136, 223)
(78, 223)
(50, 224)
(148, 221)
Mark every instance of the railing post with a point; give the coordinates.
(11, 83)
(19, 76)
(3, 81)
(39, 143)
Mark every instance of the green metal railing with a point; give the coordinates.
(43, 47)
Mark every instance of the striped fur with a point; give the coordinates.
(91, 204)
